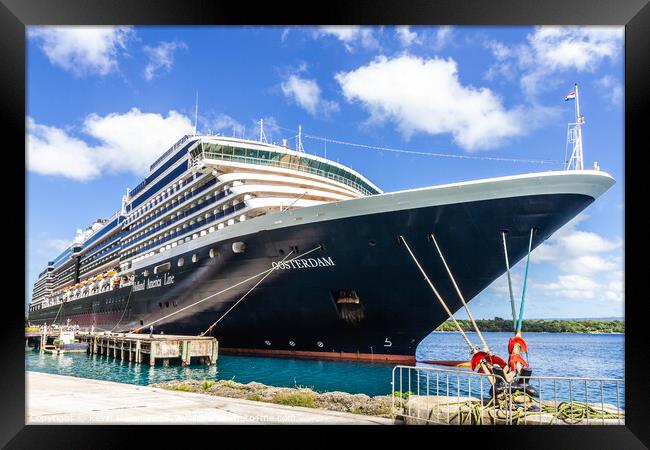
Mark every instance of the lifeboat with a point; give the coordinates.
(99, 277)
(111, 272)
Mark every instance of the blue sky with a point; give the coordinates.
(104, 102)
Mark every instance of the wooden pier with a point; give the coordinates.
(143, 347)
(139, 348)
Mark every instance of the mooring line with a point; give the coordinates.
(246, 294)
(435, 291)
(512, 296)
(124, 311)
(135, 330)
(462, 299)
(523, 293)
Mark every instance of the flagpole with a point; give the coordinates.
(579, 159)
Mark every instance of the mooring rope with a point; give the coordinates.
(512, 296)
(517, 405)
(245, 295)
(523, 293)
(124, 311)
(57, 312)
(135, 330)
(435, 291)
(462, 299)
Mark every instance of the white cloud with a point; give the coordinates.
(590, 266)
(57, 245)
(161, 57)
(551, 50)
(83, 50)
(406, 36)
(307, 94)
(580, 48)
(285, 34)
(350, 36)
(223, 123)
(426, 95)
(576, 250)
(612, 88)
(127, 142)
(442, 37)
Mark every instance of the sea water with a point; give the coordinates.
(549, 354)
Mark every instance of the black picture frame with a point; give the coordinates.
(15, 15)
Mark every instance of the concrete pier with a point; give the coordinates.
(57, 399)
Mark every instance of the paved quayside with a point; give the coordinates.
(61, 399)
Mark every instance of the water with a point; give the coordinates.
(550, 354)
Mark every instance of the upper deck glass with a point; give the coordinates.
(286, 160)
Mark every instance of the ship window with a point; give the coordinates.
(195, 257)
(181, 261)
(263, 154)
(213, 252)
(162, 268)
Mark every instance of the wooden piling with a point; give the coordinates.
(135, 346)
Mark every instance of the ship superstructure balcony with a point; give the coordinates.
(223, 152)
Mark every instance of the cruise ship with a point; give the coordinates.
(275, 251)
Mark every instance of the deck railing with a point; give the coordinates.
(205, 155)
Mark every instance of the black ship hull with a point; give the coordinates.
(297, 309)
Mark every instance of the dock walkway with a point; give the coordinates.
(52, 399)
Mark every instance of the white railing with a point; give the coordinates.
(428, 395)
(196, 160)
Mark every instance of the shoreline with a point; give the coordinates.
(359, 404)
(61, 399)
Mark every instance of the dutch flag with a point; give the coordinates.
(570, 96)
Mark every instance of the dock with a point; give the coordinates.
(58, 399)
(141, 348)
(138, 348)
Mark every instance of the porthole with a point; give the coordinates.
(372, 242)
(180, 262)
(166, 304)
(267, 343)
(291, 343)
(160, 304)
(195, 257)
(213, 252)
(319, 344)
(145, 273)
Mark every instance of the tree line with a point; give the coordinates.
(539, 325)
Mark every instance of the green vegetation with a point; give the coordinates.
(180, 387)
(207, 384)
(547, 326)
(303, 398)
(230, 384)
(405, 395)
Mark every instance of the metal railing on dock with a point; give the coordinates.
(440, 396)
